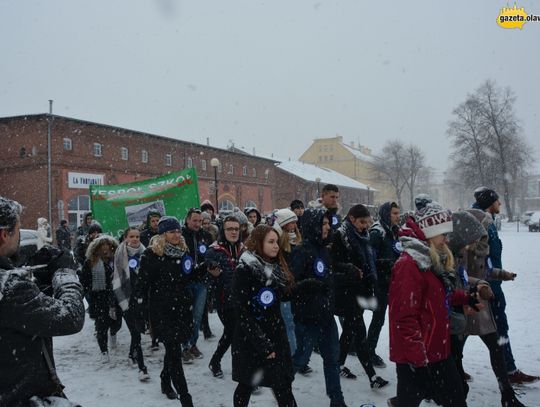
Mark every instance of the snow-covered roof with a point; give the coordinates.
(357, 153)
(310, 172)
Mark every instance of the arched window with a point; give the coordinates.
(226, 207)
(250, 204)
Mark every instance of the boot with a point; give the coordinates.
(166, 387)
(509, 399)
(185, 400)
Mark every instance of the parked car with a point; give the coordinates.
(526, 217)
(27, 248)
(534, 222)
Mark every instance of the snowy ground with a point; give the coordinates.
(115, 384)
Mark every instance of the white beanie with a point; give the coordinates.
(284, 216)
(434, 220)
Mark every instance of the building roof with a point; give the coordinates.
(85, 122)
(357, 153)
(310, 172)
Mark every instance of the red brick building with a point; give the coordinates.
(83, 153)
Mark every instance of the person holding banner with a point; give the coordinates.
(166, 270)
(260, 349)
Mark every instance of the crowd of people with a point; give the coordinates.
(280, 285)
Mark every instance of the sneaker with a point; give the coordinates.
(377, 382)
(187, 357)
(215, 368)
(377, 361)
(197, 354)
(306, 370)
(518, 377)
(133, 362)
(346, 373)
(112, 341)
(105, 357)
(143, 375)
(468, 378)
(392, 402)
(257, 390)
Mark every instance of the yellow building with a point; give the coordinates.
(350, 160)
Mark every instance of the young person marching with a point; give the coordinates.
(165, 272)
(127, 260)
(221, 259)
(313, 301)
(260, 349)
(384, 240)
(355, 278)
(96, 278)
(421, 295)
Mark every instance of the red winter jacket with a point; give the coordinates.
(418, 314)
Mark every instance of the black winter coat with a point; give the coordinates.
(101, 301)
(260, 329)
(198, 244)
(29, 318)
(313, 296)
(221, 255)
(63, 238)
(162, 282)
(348, 285)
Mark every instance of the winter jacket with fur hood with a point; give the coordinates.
(418, 310)
(28, 320)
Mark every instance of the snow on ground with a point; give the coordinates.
(91, 383)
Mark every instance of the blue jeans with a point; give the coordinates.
(288, 319)
(498, 307)
(198, 293)
(326, 337)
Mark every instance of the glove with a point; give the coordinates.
(64, 276)
(507, 276)
(484, 291)
(112, 313)
(61, 260)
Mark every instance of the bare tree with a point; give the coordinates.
(488, 148)
(390, 165)
(414, 163)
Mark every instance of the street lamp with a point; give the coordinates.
(318, 181)
(368, 197)
(214, 162)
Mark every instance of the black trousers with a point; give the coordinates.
(444, 385)
(134, 325)
(354, 333)
(242, 394)
(173, 370)
(377, 320)
(228, 319)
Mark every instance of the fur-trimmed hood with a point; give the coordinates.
(98, 241)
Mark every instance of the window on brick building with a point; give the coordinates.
(98, 150)
(220, 167)
(124, 153)
(168, 160)
(231, 169)
(144, 156)
(226, 207)
(189, 162)
(250, 204)
(68, 145)
(203, 165)
(244, 170)
(266, 174)
(254, 173)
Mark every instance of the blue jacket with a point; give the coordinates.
(495, 243)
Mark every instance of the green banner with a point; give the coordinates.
(116, 207)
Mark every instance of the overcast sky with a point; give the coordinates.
(268, 74)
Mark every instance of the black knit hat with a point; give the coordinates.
(485, 197)
(168, 223)
(421, 200)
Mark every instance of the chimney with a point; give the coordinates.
(207, 141)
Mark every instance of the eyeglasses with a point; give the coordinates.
(232, 229)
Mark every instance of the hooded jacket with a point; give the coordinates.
(28, 320)
(198, 243)
(247, 211)
(313, 298)
(147, 233)
(418, 311)
(82, 230)
(385, 242)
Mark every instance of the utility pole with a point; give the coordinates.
(49, 159)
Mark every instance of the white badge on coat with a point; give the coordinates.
(133, 263)
(397, 246)
(202, 248)
(319, 267)
(266, 297)
(187, 264)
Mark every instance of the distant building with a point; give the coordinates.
(85, 153)
(350, 160)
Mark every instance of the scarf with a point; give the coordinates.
(99, 282)
(121, 276)
(358, 243)
(173, 251)
(267, 272)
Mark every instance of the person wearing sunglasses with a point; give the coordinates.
(221, 260)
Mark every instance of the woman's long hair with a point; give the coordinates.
(92, 253)
(446, 253)
(158, 242)
(284, 242)
(255, 244)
